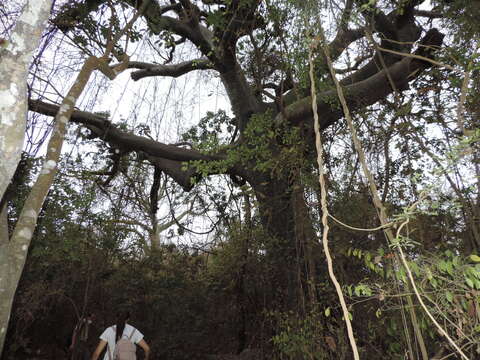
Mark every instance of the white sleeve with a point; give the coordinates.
(105, 335)
(137, 336)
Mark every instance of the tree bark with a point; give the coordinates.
(278, 218)
(283, 211)
(14, 252)
(307, 243)
(14, 64)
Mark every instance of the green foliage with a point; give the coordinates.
(449, 282)
(81, 261)
(299, 337)
(208, 134)
(259, 145)
(91, 32)
(216, 18)
(461, 17)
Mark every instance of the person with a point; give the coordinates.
(114, 333)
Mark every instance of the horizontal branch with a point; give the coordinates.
(183, 175)
(108, 132)
(176, 70)
(199, 35)
(419, 57)
(169, 158)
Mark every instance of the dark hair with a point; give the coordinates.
(122, 318)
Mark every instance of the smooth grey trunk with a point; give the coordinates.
(14, 253)
(14, 64)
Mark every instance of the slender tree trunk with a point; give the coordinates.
(14, 253)
(14, 64)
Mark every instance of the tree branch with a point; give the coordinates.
(126, 141)
(199, 35)
(181, 173)
(365, 92)
(171, 159)
(241, 20)
(176, 70)
(398, 26)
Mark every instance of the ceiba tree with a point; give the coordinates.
(268, 98)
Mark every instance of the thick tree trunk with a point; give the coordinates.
(291, 249)
(277, 217)
(241, 279)
(308, 249)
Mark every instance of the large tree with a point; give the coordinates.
(239, 40)
(259, 51)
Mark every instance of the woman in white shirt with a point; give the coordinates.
(113, 334)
